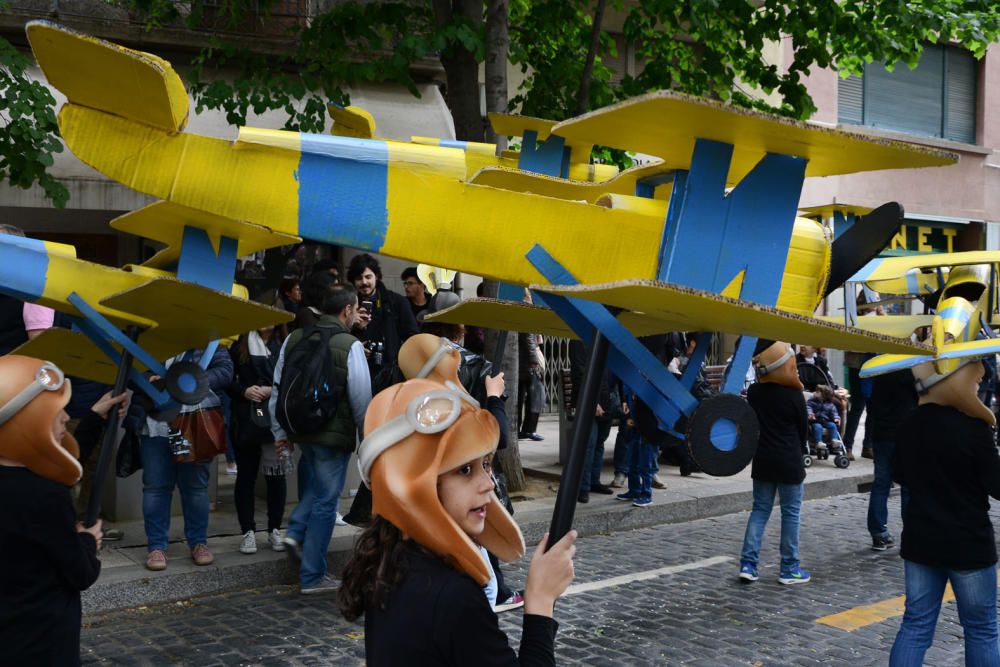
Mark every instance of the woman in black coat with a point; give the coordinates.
(255, 355)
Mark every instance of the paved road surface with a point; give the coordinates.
(661, 596)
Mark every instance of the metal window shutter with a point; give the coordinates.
(907, 100)
(850, 100)
(960, 93)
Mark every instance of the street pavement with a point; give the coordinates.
(663, 595)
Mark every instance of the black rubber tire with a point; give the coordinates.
(807, 460)
(841, 461)
(707, 456)
(172, 382)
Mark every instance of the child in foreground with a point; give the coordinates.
(47, 557)
(417, 572)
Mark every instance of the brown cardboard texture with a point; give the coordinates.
(404, 481)
(27, 438)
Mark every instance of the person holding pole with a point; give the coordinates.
(46, 557)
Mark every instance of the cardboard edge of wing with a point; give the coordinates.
(652, 307)
(207, 315)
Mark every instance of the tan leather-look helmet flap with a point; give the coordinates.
(958, 389)
(404, 477)
(26, 437)
(777, 365)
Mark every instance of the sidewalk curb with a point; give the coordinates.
(121, 588)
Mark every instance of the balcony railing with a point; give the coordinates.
(277, 21)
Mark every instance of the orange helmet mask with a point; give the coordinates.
(777, 364)
(416, 431)
(32, 393)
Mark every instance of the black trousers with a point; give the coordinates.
(529, 422)
(247, 462)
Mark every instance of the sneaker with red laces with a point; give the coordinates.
(156, 560)
(201, 555)
(513, 602)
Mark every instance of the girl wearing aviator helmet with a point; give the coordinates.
(417, 572)
(46, 558)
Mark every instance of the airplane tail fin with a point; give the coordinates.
(100, 75)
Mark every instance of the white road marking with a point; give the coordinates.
(648, 574)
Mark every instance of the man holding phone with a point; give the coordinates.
(385, 320)
(389, 318)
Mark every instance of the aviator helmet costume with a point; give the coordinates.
(414, 432)
(32, 394)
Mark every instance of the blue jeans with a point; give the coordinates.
(763, 501)
(976, 597)
(817, 429)
(312, 521)
(642, 467)
(593, 462)
(878, 510)
(627, 436)
(160, 474)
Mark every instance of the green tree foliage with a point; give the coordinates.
(715, 48)
(28, 132)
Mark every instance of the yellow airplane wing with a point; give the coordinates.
(638, 125)
(891, 268)
(522, 181)
(825, 211)
(522, 317)
(164, 102)
(165, 222)
(683, 309)
(899, 326)
(74, 353)
(189, 315)
(887, 363)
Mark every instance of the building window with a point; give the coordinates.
(937, 99)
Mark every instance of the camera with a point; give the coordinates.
(377, 348)
(179, 446)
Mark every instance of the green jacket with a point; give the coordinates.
(341, 431)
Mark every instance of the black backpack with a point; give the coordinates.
(307, 397)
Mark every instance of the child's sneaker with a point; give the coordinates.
(515, 601)
(794, 576)
(748, 571)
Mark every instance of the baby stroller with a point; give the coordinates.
(831, 445)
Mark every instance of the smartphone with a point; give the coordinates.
(368, 305)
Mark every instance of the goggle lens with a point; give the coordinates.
(434, 410)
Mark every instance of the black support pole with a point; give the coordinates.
(108, 437)
(586, 406)
(499, 352)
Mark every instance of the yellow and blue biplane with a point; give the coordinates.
(962, 290)
(704, 239)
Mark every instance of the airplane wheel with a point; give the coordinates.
(722, 435)
(841, 461)
(186, 382)
(807, 460)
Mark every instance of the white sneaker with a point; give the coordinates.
(340, 520)
(276, 540)
(249, 543)
(658, 483)
(619, 481)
